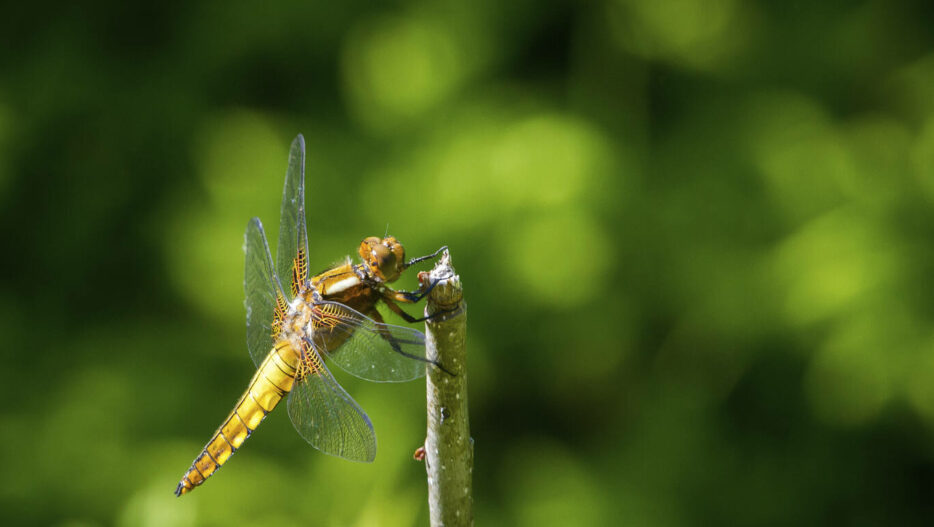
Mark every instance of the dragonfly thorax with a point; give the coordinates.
(298, 318)
(384, 259)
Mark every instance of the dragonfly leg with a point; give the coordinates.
(414, 261)
(387, 336)
(390, 296)
(410, 297)
(389, 300)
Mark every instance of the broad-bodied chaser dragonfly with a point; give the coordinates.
(327, 318)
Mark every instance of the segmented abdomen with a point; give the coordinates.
(272, 381)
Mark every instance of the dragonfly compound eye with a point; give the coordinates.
(384, 258)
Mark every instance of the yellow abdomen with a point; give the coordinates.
(272, 381)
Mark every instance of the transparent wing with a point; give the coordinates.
(328, 418)
(262, 288)
(371, 350)
(291, 255)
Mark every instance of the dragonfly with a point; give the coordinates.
(294, 333)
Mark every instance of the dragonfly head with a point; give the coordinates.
(385, 258)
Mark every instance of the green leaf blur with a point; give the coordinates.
(694, 238)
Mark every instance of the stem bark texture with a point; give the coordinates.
(448, 445)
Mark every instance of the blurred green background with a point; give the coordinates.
(696, 237)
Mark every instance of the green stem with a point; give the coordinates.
(448, 445)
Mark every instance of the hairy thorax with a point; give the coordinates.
(348, 284)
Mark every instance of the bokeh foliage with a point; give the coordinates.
(695, 236)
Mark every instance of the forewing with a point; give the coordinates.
(292, 253)
(371, 350)
(328, 418)
(262, 288)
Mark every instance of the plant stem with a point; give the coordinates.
(448, 445)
